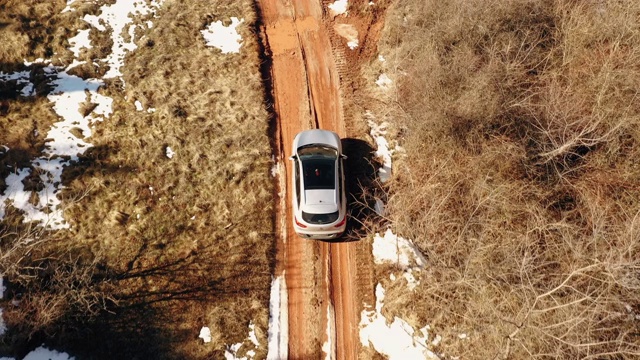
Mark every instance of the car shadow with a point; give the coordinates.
(362, 188)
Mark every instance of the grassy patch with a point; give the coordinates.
(160, 246)
(520, 124)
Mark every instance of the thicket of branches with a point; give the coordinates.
(48, 284)
(521, 125)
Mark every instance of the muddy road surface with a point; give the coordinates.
(306, 65)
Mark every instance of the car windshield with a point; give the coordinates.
(318, 167)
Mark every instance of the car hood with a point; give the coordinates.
(320, 201)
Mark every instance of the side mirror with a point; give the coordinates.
(344, 157)
(292, 157)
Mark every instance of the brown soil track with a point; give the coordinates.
(306, 94)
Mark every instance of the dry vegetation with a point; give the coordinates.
(521, 182)
(158, 247)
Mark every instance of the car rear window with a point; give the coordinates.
(320, 219)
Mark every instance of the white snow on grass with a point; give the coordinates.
(396, 340)
(378, 131)
(117, 18)
(42, 353)
(21, 78)
(338, 7)
(252, 334)
(68, 7)
(412, 282)
(169, 152)
(140, 107)
(348, 32)
(225, 38)
(62, 147)
(397, 250)
(384, 81)
(278, 320)
(231, 352)
(205, 334)
(46, 212)
(66, 139)
(68, 97)
(14, 191)
(391, 248)
(80, 41)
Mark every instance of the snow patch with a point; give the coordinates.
(397, 340)
(116, 17)
(328, 347)
(21, 78)
(275, 169)
(278, 341)
(66, 139)
(411, 280)
(225, 38)
(349, 32)
(231, 352)
(378, 131)
(205, 334)
(338, 7)
(252, 334)
(68, 7)
(391, 248)
(169, 152)
(42, 353)
(62, 148)
(80, 41)
(384, 81)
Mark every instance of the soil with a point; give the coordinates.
(313, 74)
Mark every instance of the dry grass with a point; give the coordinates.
(173, 244)
(520, 181)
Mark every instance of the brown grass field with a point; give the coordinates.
(520, 178)
(519, 181)
(141, 270)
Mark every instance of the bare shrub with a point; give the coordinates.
(519, 181)
(48, 284)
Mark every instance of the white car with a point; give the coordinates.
(319, 198)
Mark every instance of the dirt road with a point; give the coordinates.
(323, 310)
